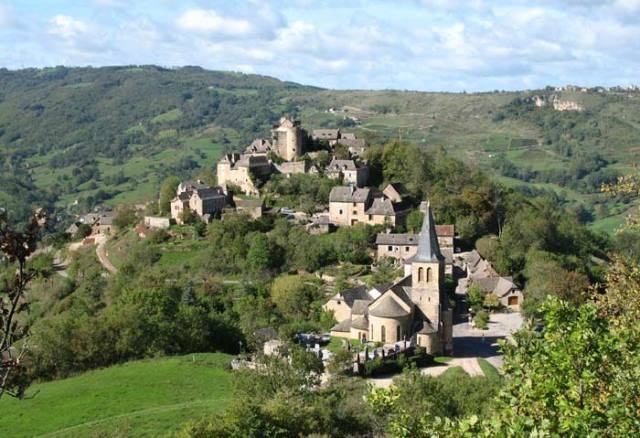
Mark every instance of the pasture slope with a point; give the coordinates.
(142, 398)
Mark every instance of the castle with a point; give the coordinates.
(415, 308)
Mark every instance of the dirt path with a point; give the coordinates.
(469, 365)
(101, 252)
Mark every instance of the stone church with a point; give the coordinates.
(415, 308)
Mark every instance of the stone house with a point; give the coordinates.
(259, 146)
(504, 288)
(415, 308)
(480, 272)
(101, 223)
(243, 171)
(252, 207)
(348, 171)
(288, 168)
(154, 222)
(350, 205)
(288, 138)
(356, 146)
(206, 202)
(329, 135)
(402, 247)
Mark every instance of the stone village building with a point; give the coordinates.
(204, 201)
(348, 171)
(415, 308)
(349, 205)
(402, 247)
(480, 272)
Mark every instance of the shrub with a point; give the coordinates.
(482, 320)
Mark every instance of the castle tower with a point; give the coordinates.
(427, 270)
(288, 138)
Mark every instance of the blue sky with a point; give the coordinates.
(452, 45)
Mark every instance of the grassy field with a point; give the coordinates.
(142, 398)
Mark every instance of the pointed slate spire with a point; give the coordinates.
(428, 248)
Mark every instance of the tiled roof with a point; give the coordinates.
(446, 230)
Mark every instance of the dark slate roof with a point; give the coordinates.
(388, 308)
(344, 326)
(252, 161)
(424, 327)
(349, 194)
(248, 203)
(428, 248)
(337, 165)
(447, 253)
(349, 296)
(326, 134)
(259, 145)
(396, 239)
(487, 284)
(361, 323)
(474, 258)
(382, 206)
(352, 142)
(360, 307)
(210, 193)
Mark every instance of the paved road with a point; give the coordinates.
(470, 342)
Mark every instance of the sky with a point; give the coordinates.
(430, 45)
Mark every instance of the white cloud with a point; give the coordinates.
(210, 22)
(67, 27)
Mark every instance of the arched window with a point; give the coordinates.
(397, 333)
(383, 335)
(420, 274)
(429, 275)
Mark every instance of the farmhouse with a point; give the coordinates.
(415, 308)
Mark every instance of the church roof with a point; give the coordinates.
(343, 326)
(361, 323)
(428, 248)
(388, 308)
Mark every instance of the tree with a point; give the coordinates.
(167, 193)
(15, 248)
(491, 301)
(262, 254)
(125, 217)
(83, 231)
(414, 221)
(293, 294)
(475, 297)
(481, 320)
(188, 217)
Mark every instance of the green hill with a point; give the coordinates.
(143, 398)
(111, 134)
